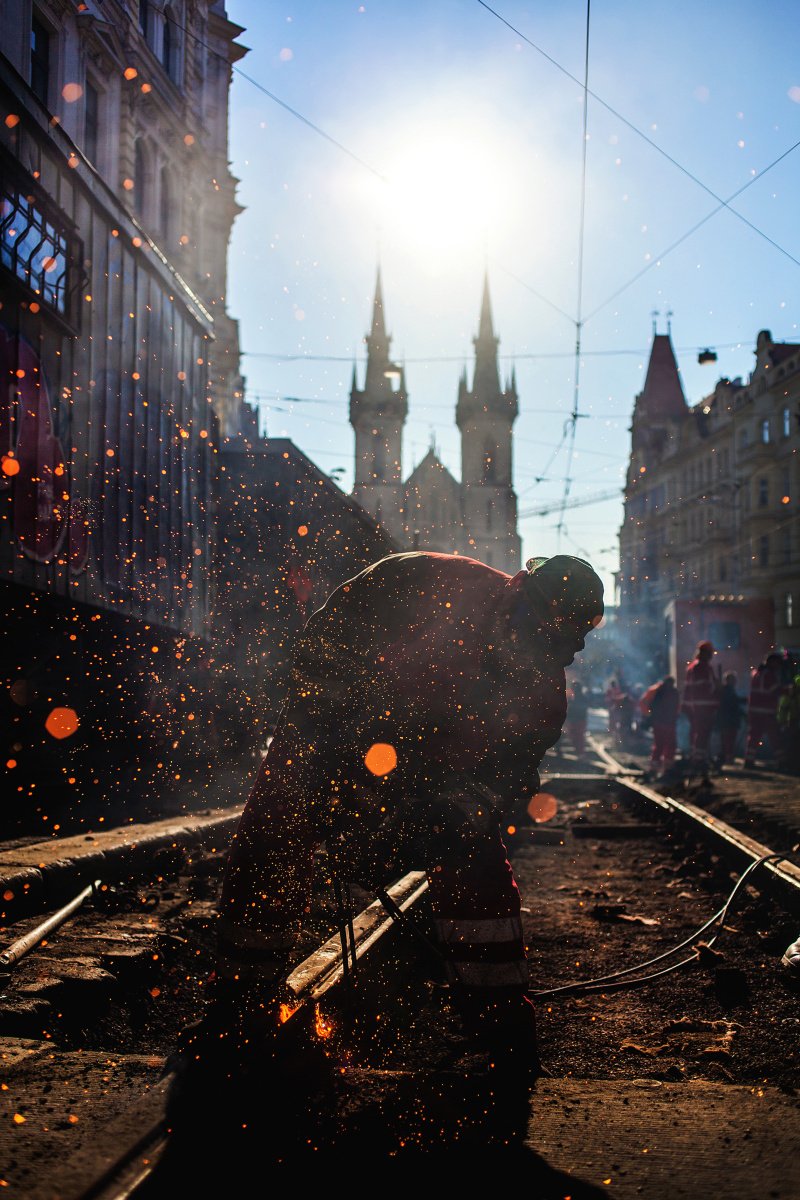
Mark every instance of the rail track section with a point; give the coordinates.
(427, 1079)
(781, 877)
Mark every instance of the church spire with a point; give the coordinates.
(486, 380)
(485, 325)
(378, 324)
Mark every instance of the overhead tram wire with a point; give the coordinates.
(379, 175)
(658, 258)
(640, 132)
(573, 422)
(448, 358)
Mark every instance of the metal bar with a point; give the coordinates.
(17, 950)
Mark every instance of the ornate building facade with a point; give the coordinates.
(119, 361)
(431, 510)
(712, 503)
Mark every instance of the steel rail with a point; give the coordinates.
(315, 978)
(781, 879)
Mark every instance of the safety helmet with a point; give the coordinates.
(570, 588)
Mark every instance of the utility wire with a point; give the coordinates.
(635, 129)
(579, 307)
(459, 358)
(723, 204)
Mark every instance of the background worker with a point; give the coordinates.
(664, 707)
(577, 712)
(789, 725)
(763, 732)
(422, 698)
(700, 703)
(730, 717)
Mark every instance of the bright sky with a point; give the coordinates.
(460, 146)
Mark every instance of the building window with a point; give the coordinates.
(144, 17)
(40, 60)
(763, 492)
(789, 609)
(787, 422)
(170, 46)
(723, 569)
(744, 437)
(165, 200)
(725, 635)
(33, 248)
(139, 178)
(765, 431)
(91, 123)
(489, 471)
(787, 547)
(763, 550)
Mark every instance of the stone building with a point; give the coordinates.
(287, 537)
(711, 504)
(120, 364)
(431, 510)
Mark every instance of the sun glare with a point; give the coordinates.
(447, 191)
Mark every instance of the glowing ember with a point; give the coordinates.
(322, 1026)
(286, 1011)
(381, 758)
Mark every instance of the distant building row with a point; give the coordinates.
(710, 543)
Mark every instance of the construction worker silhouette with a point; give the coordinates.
(423, 696)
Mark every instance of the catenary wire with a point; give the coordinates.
(576, 374)
(640, 133)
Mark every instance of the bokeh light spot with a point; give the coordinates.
(381, 758)
(542, 807)
(62, 722)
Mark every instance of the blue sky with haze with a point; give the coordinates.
(460, 147)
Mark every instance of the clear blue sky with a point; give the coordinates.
(478, 138)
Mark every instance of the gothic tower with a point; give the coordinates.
(485, 416)
(377, 414)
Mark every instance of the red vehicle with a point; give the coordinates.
(740, 630)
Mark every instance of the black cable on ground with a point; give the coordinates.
(615, 980)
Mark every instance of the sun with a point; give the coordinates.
(449, 191)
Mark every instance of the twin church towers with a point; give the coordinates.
(431, 510)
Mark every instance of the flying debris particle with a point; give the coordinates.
(302, 530)
(72, 92)
(10, 465)
(62, 722)
(130, 72)
(11, 120)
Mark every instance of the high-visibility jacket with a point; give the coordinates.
(766, 687)
(701, 691)
(423, 677)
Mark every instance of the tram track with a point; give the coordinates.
(601, 815)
